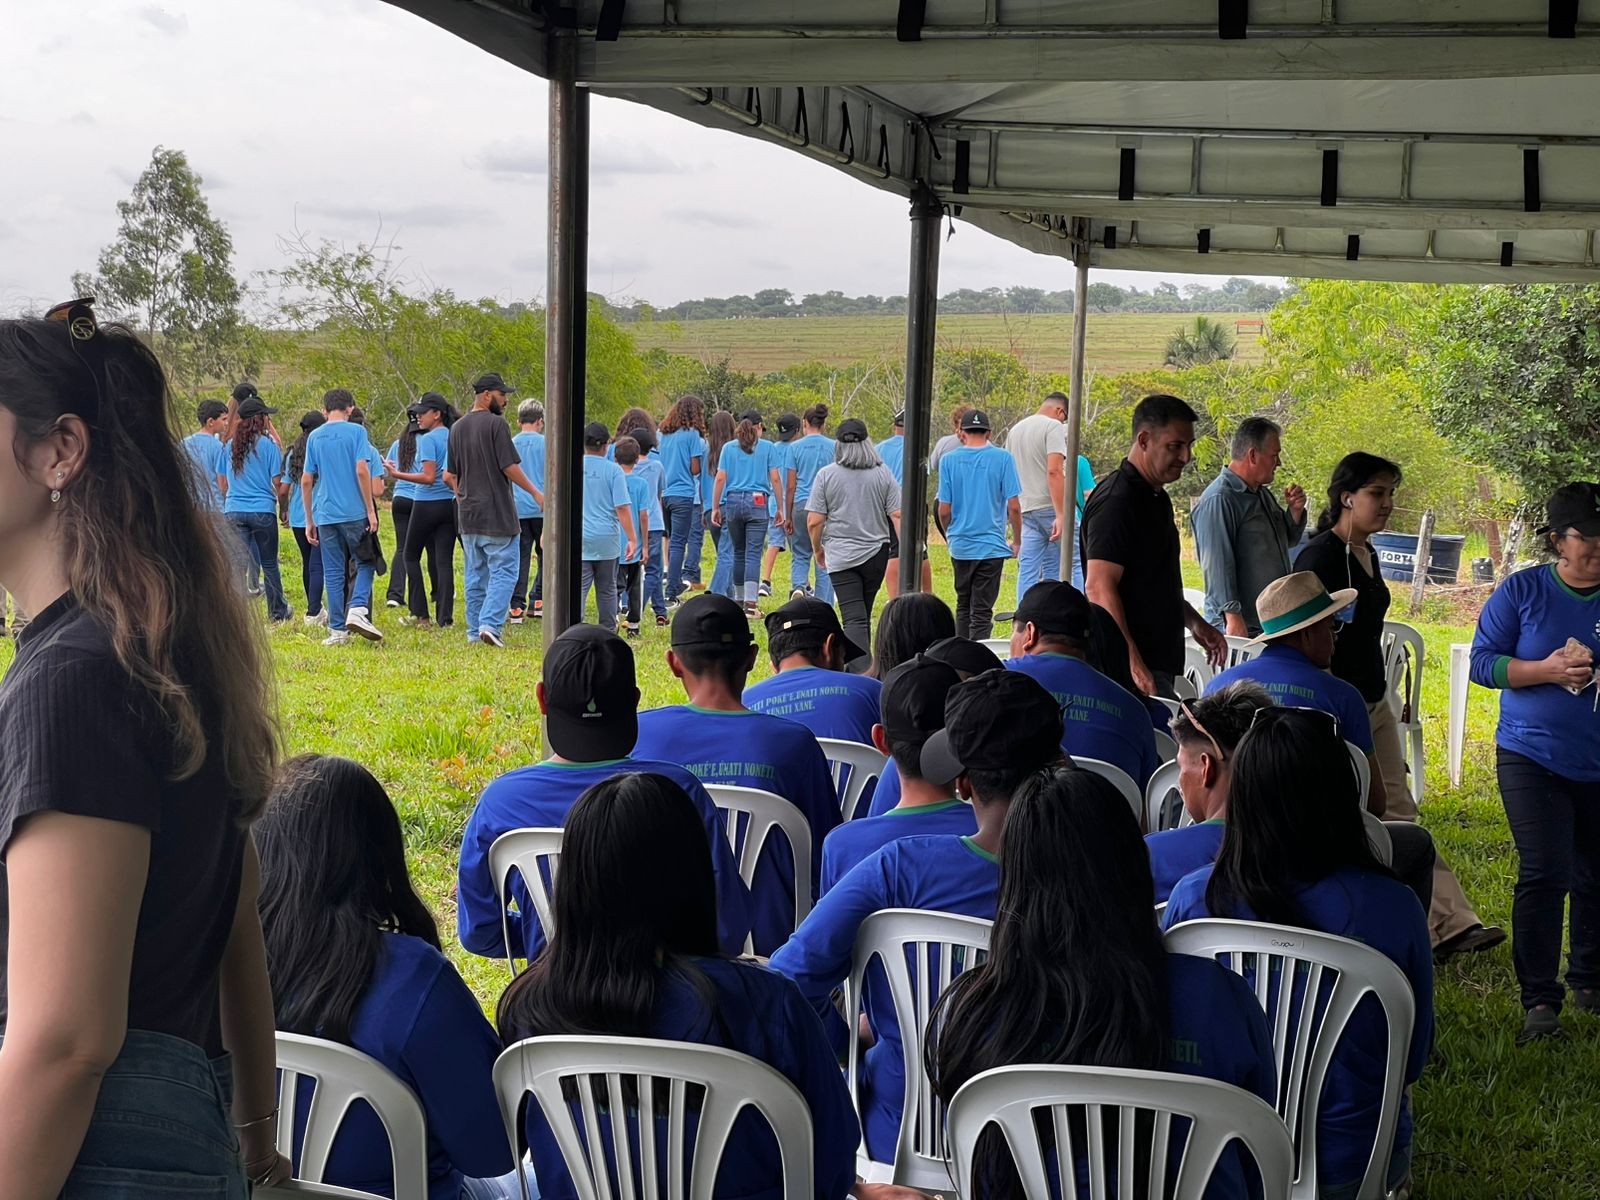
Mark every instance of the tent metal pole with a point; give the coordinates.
(565, 327)
(1080, 324)
(922, 302)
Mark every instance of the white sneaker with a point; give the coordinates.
(391, 604)
(339, 637)
(320, 618)
(490, 638)
(357, 620)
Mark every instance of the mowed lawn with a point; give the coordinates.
(1116, 342)
(436, 719)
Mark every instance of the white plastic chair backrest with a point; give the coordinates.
(1404, 650)
(1163, 803)
(1185, 688)
(594, 1071)
(763, 812)
(1169, 704)
(1166, 746)
(1378, 838)
(1358, 757)
(1195, 666)
(1000, 646)
(1118, 777)
(854, 765)
(343, 1075)
(1305, 1035)
(1241, 650)
(921, 952)
(1196, 599)
(1110, 1098)
(525, 851)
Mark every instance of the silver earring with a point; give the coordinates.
(55, 495)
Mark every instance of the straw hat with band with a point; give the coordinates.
(1296, 602)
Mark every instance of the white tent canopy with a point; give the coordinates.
(1434, 140)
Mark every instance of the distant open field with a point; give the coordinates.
(1117, 342)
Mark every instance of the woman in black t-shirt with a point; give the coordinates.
(139, 744)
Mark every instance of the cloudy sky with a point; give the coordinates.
(333, 118)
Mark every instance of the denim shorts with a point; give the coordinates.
(161, 1127)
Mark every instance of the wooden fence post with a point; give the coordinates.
(1419, 563)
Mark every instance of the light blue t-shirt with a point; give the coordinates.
(297, 503)
(1085, 483)
(530, 449)
(977, 482)
(650, 470)
(433, 447)
(639, 498)
(605, 489)
(807, 456)
(893, 452)
(210, 458)
(749, 472)
(402, 489)
(332, 452)
(253, 489)
(678, 449)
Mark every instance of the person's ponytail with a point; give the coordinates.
(748, 433)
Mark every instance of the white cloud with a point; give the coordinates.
(170, 23)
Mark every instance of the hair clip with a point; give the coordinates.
(79, 317)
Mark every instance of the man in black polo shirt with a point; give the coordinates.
(1130, 548)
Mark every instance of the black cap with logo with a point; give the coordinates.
(975, 422)
(788, 426)
(852, 430)
(590, 695)
(254, 406)
(998, 721)
(490, 381)
(1055, 607)
(912, 703)
(807, 612)
(713, 622)
(1573, 506)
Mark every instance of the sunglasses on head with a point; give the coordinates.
(1185, 708)
(1267, 716)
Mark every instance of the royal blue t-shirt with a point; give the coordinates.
(893, 452)
(539, 797)
(530, 452)
(886, 792)
(832, 704)
(650, 470)
(749, 471)
(941, 873)
(1102, 719)
(977, 482)
(605, 489)
(1531, 615)
(639, 498)
(332, 452)
(1294, 681)
(210, 460)
(420, 1020)
(750, 749)
(254, 488)
(678, 450)
(807, 456)
(403, 490)
(1383, 913)
(1175, 853)
(748, 1008)
(856, 841)
(433, 447)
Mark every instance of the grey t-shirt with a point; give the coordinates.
(1032, 441)
(480, 451)
(858, 505)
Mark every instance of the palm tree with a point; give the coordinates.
(1203, 342)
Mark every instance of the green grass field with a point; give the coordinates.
(436, 719)
(1117, 342)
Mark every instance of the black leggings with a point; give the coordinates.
(856, 590)
(400, 514)
(630, 577)
(432, 528)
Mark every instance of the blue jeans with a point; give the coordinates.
(801, 559)
(160, 1128)
(259, 532)
(653, 594)
(746, 523)
(338, 548)
(682, 516)
(1038, 558)
(491, 570)
(722, 574)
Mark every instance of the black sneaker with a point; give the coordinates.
(765, 589)
(1002, 618)
(1586, 999)
(1472, 940)
(1542, 1023)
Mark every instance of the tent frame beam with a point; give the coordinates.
(922, 315)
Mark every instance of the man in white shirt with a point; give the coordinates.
(1038, 444)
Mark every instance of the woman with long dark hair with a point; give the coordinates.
(745, 499)
(1295, 852)
(355, 957)
(433, 510)
(1361, 497)
(294, 460)
(1078, 975)
(255, 471)
(683, 457)
(720, 429)
(634, 953)
(140, 743)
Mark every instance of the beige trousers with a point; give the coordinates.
(1451, 912)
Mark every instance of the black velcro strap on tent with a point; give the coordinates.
(1232, 17)
(608, 25)
(1125, 174)
(1507, 251)
(1530, 181)
(883, 149)
(963, 167)
(1111, 237)
(846, 134)
(1352, 247)
(802, 119)
(1203, 241)
(908, 28)
(752, 102)
(1330, 178)
(1563, 18)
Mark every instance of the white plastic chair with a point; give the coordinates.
(1166, 746)
(1000, 646)
(854, 765)
(1358, 756)
(594, 1069)
(941, 945)
(525, 851)
(1196, 669)
(763, 812)
(1196, 598)
(1106, 1097)
(1119, 777)
(342, 1076)
(1163, 803)
(1242, 650)
(1304, 1044)
(1184, 688)
(1378, 838)
(1170, 705)
(1404, 657)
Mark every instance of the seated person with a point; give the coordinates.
(635, 954)
(907, 626)
(1078, 974)
(355, 958)
(718, 740)
(1295, 852)
(590, 702)
(914, 696)
(1207, 731)
(1000, 727)
(808, 650)
(1102, 720)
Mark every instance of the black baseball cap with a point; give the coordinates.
(595, 434)
(912, 703)
(899, 417)
(642, 435)
(713, 621)
(313, 420)
(751, 414)
(431, 400)
(788, 424)
(243, 391)
(490, 381)
(1573, 506)
(976, 421)
(591, 696)
(807, 612)
(1054, 607)
(254, 406)
(852, 430)
(998, 721)
(210, 410)
(965, 655)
